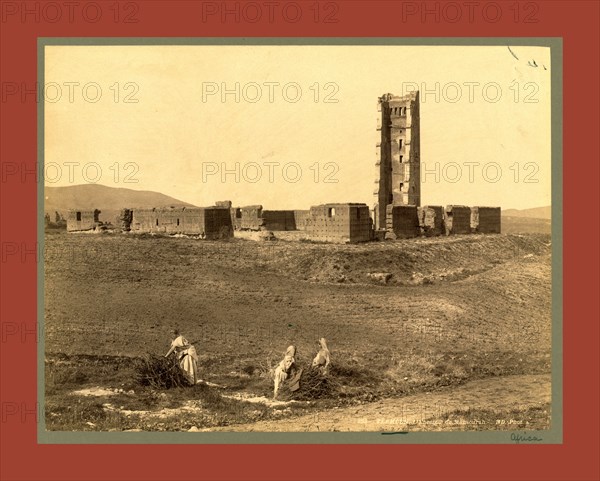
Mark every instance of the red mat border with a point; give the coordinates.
(23, 459)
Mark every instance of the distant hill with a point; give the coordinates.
(525, 225)
(536, 212)
(527, 221)
(110, 200)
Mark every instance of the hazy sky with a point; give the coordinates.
(304, 116)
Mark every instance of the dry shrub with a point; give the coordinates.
(160, 372)
(417, 369)
(57, 376)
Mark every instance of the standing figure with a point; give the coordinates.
(285, 368)
(323, 357)
(186, 354)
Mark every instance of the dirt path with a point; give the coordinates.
(420, 412)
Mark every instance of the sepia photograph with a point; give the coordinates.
(309, 236)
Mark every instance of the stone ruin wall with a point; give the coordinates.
(404, 222)
(486, 220)
(431, 220)
(253, 217)
(457, 219)
(300, 218)
(327, 222)
(213, 222)
(278, 220)
(82, 220)
(339, 223)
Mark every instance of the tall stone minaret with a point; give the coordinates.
(398, 163)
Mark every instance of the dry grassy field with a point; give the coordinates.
(464, 317)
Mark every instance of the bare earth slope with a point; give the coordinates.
(454, 310)
(423, 412)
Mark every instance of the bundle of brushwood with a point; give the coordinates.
(160, 372)
(314, 384)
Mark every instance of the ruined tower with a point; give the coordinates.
(398, 180)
